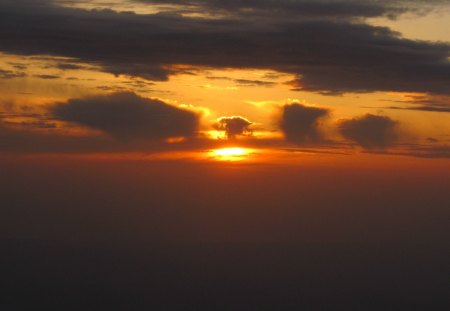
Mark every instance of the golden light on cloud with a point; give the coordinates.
(231, 154)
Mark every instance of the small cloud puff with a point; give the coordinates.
(233, 126)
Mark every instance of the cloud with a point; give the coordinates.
(245, 82)
(427, 102)
(18, 66)
(47, 77)
(297, 8)
(127, 116)
(233, 126)
(300, 123)
(370, 131)
(438, 152)
(328, 55)
(23, 138)
(8, 74)
(69, 66)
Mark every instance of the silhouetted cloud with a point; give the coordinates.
(233, 126)
(128, 116)
(370, 131)
(300, 123)
(327, 55)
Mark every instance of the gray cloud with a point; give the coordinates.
(127, 116)
(328, 55)
(370, 131)
(300, 124)
(233, 126)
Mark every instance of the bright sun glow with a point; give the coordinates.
(231, 154)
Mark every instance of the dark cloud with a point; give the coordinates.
(301, 123)
(328, 55)
(128, 116)
(233, 126)
(298, 8)
(370, 131)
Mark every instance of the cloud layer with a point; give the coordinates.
(328, 55)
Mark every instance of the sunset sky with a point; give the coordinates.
(192, 138)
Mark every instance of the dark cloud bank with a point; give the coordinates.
(329, 55)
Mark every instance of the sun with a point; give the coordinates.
(231, 154)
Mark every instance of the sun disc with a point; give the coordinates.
(230, 154)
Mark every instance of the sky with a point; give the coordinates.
(225, 154)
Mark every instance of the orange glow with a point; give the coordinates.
(231, 154)
(175, 140)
